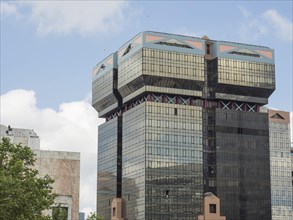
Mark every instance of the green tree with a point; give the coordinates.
(59, 213)
(94, 216)
(23, 195)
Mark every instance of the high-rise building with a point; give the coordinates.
(63, 167)
(183, 119)
(280, 160)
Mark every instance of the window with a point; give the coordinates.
(240, 131)
(213, 208)
(130, 46)
(192, 139)
(167, 137)
(210, 169)
(244, 54)
(167, 193)
(167, 152)
(175, 111)
(59, 213)
(176, 139)
(114, 211)
(174, 44)
(184, 139)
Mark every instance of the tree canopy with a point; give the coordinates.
(94, 216)
(59, 213)
(23, 195)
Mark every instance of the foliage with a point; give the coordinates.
(94, 216)
(60, 213)
(23, 195)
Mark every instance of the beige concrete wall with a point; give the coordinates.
(116, 209)
(64, 168)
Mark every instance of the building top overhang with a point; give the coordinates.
(162, 41)
(184, 44)
(245, 52)
(105, 65)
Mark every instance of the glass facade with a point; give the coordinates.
(107, 167)
(133, 162)
(172, 64)
(162, 161)
(103, 91)
(163, 69)
(245, 78)
(174, 161)
(242, 169)
(130, 71)
(104, 84)
(186, 123)
(246, 73)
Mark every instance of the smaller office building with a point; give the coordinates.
(280, 163)
(63, 167)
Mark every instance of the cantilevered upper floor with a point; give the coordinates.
(183, 65)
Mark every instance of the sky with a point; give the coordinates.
(49, 48)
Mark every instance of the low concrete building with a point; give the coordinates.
(211, 208)
(63, 167)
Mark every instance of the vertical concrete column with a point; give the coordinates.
(211, 208)
(116, 209)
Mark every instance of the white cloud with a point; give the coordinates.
(268, 23)
(245, 12)
(252, 28)
(72, 128)
(83, 17)
(8, 8)
(283, 27)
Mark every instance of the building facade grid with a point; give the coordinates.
(190, 124)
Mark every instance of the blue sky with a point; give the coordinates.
(56, 61)
(48, 49)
